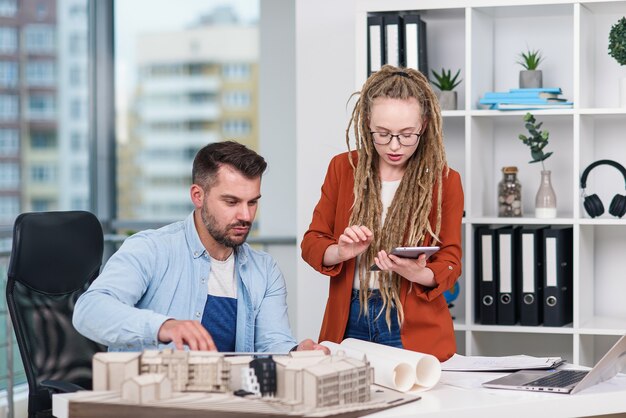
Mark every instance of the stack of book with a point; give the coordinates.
(525, 99)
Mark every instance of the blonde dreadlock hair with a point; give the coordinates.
(407, 220)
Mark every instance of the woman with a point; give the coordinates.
(394, 190)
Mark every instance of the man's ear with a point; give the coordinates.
(197, 195)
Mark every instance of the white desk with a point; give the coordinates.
(467, 399)
(458, 394)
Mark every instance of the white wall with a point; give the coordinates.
(325, 78)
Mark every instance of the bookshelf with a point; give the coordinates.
(483, 38)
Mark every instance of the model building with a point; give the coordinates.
(301, 379)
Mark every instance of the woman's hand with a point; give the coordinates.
(412, 269)
(354, 241)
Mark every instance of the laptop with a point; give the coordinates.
(566, 381)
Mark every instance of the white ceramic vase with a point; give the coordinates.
(545, 201)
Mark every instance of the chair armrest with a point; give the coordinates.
(59, 386)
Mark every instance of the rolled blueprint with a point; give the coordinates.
(395, 368)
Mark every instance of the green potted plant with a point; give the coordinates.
(617, 49)
(545, 200)
(446, 83)
(530, 77)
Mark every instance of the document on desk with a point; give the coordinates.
(395, 368)
(460, 363)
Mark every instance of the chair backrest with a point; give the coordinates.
(55, 256)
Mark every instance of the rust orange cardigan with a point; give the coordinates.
(427, 326)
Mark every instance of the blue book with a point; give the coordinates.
(523, 100)
(556, 90)
(526, 106)
(524, 94)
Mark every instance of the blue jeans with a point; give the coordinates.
(367, 326)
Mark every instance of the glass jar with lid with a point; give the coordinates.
(509, 193)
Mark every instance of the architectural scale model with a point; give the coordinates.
(194, 384)
(300, 381)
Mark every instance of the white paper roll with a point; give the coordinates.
(395, 368)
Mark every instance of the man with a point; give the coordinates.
(196, 283)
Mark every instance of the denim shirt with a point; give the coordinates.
(162, 274)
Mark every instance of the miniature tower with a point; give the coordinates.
(265, 370)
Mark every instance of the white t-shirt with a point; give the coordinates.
(222, 278)
(387, 192)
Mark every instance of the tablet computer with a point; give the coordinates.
(410, 252)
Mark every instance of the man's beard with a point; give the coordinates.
(221, 236)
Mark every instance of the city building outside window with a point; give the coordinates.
(9, 176)
(40, 38)
(8, 74)
(186, 75)
(8, 8)
(43, 140)
(41, 106)
(43, 173)
(8, 106)
(40, 73)
(9, 205)
(9, 142)
(8, 40)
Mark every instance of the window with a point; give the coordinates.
(33, 85)
(77, 76)
(236, 99)
(40, 38)
(236, 71)
(79, 173)
(78, 43)
(76, 109)
(78, 11)
(41, 205)
(9, 208)
(41, 106)
(40, 73)
(80, 203)
(9, 176)
(9, 142)
(42, 11)
(77, 142)
(173, 95)
(236, 127)
(8, 74)
(8, 40)
(43, 140)
(8, 106)
(8, 8)
(43, 173)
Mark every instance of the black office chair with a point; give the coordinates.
(55, 256)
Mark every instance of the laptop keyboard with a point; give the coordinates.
(560, 379)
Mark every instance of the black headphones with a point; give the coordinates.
(593, 204)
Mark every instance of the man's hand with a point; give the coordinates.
(309, 344)
(191, 333)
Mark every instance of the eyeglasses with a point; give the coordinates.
(384, 138)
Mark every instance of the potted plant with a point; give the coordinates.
(617, 49)
(530, 77)
(446, 83)
(545, 200)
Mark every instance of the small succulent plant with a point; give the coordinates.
(530, 59)
(445, 81)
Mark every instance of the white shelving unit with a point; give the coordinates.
(483, 39)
